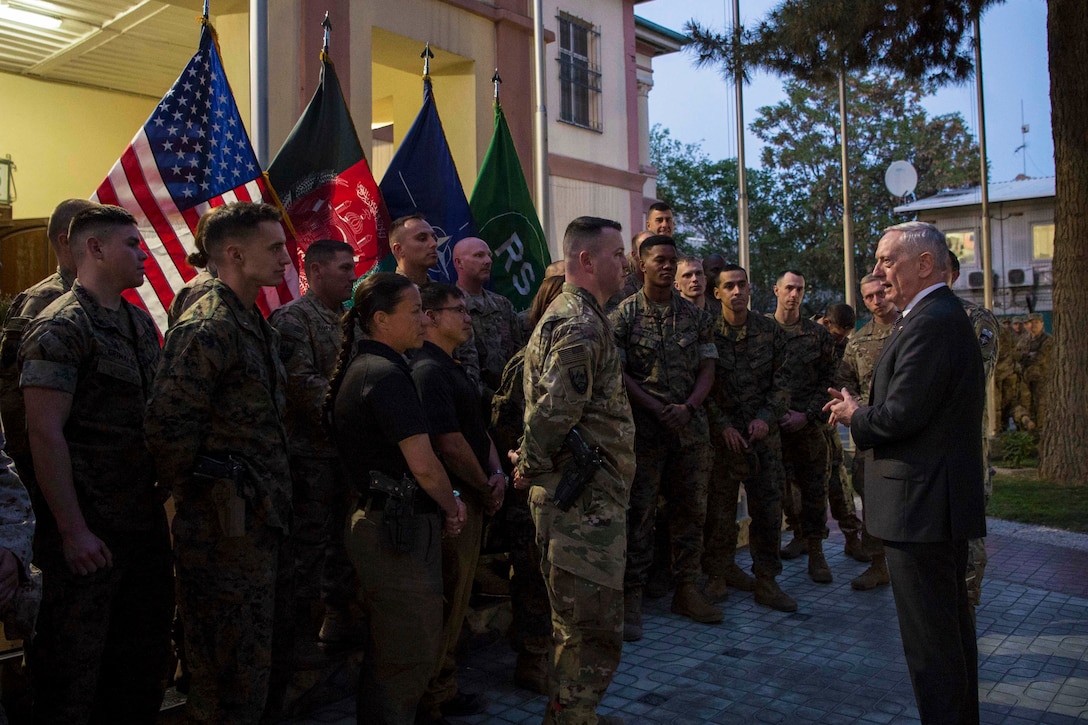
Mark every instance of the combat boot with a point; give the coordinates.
(531, 672)
(689, 602)
(632, 614)
(739, 579)
(716, 590)
(854, 549)
(818, 570)
(795, 548)
(769, 594)
(876, 575)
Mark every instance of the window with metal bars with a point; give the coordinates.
(579, 72)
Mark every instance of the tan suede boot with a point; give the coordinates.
(769, 594)
(690, 603)
(818, 570)
(876, 575)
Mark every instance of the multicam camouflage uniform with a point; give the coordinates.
(220, 392)
(662, 347)
(810, 371)
(497, 330)
(574, 378)
(1035, 357)
(531, 627)
(840, 494)
(16, 528)
(309, 345)
(749, 384)
(856, 375)
(631, 285)
(24, 308)
(987, 331)
(83, 668)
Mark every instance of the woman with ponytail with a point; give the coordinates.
(406, 502)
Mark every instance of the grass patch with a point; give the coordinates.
(1021, 496)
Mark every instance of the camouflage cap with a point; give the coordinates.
(1033, 317)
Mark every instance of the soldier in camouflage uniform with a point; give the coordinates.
(811, 365)
(24, 308)
(691, 283)
(87, 364)
(309, 330)
(188, 295)
(216, 423)
(632, 279)
(855, 373)
(667, 348)
(840, 321)
(986, 330)
(574, 380)
(495, 324)
(1036, 349)
(16, 535)
(747, 400)
(531, 626)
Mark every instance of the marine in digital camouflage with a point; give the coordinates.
(662, 348)
(221, 392)
(748, 385)
(24, 308)
(16, 535)
(188, 295)
(810, 371)
(82, 667)
(309, 346)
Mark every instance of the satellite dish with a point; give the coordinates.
(900, 178)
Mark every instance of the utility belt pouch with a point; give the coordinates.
(226, 477)
(399, 514)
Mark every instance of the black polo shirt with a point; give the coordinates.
(451, 402)
(376, 407)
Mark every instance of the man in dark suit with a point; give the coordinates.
(923, 474)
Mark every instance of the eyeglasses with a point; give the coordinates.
(459, 309)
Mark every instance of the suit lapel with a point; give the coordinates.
(893, 339)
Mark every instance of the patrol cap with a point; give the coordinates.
(1033, 317)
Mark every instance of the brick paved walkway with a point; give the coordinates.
(837, 660)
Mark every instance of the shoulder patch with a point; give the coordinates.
(579, 378)
(572, 356)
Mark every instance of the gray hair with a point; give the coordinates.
(918, 237)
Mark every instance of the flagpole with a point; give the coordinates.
(540, 126)
(742, 172)
(258, 77)
(327, 25)
(496, 80)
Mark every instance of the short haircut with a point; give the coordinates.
(688, 259)
(920, 237)
(324, 250)
(61, 218)
(658, 206)
(93, 219)
(727, 268)
(657, 240)
(236, 219)
(435, 294)
(583, 233)
(784, 272)
(841, 315)
(398, 225)
(869, 278)
(953, 261)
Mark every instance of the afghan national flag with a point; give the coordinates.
(324, 181)
(422, 179)
(507, 220)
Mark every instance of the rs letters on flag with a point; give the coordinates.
(192, 154)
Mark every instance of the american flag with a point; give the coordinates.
(192, 154)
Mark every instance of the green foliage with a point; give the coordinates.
(815, 39)
(1028, 499)
(1018, 446)
(886, 123)
(795, 201)
(703, 195)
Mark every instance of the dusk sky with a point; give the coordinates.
(696, 105)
